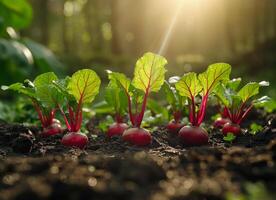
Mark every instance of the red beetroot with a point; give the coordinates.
(219, 123)
(116, 129)
(193, 135)
(192, 85)
(75, 139)
(174, 127)
(148, 77)
(53, 129)
(137, 136)
(231, 128)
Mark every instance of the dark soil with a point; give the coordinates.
(32, 167)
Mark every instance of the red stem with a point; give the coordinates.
(228, 113)
(71, 116)
(65, 118)
(224, 113)
(240, 111)
(40, 115)
(202, 109)
(118, 118)
(191, 117)
(194, 123)
(50, 117)
(79, 108)
(245, 114)
(79, 122)
(139, 119)
(129, 108)
(177, 116)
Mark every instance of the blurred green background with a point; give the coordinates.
(65, 35)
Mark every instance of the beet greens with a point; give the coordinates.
(117, 99)
(176, 104)
(191, 85)
(76, 91)
(44, 98)
(149, 76)
(238, 104)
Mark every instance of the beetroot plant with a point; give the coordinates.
(44, 98)
(148, 77)
(176, 105)
(117, 99)
(191, 86)
(223, 119)
(76, 91)
(238, 104)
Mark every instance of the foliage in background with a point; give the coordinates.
(21, 57)
(19, 111)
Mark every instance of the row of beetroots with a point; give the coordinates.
(50, 94)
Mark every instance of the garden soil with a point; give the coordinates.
(33, 167)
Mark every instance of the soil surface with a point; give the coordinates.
(33, 167)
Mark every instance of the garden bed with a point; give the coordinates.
(33, 167)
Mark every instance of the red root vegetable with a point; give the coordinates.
(52, 129)
(240, 103)
(116, 129)
(75, 139)
(231, 128)
(149, 76)
(83, 86)
(219, 123)
(137, 136)
(191, 85)
(174, 127)
(193, 135)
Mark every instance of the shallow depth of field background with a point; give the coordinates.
(112, 34)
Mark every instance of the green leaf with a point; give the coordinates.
(262, 100)
(216, 73)
(137, 95)
(235, 101)
(220, 92)
(15, 13)
(44, 59)
(84, 85)
(46, 92)
(156, 108)
(48, 95)
(170, 94)
(16, 61)
(104, 124)
(265, 102)
(119, 80)
(45, 79)
(189, 85)
(102, 108)
(149, 73)
(255, 128)
(116, 97)
(229, 137)
(19, 87)
(234, 84)
(248, 91)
